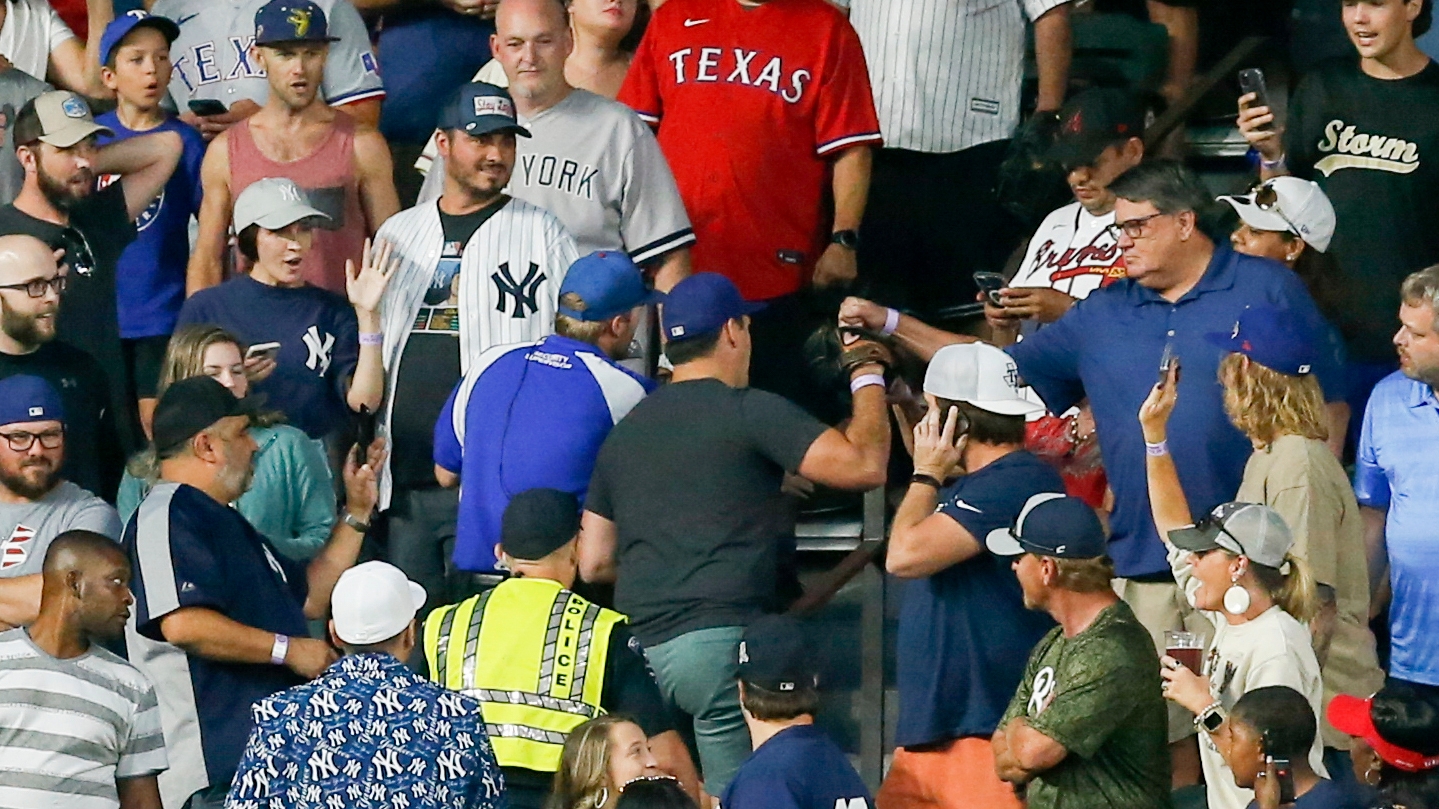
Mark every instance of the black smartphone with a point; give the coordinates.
(1251, 80)
(1284, 773)
(1169, 359)
(207, 106)
(364, 432)
(990, 283)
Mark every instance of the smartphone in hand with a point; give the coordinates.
(990, 283)
(207, 106)
(1251, 80)
(262, 350)
(1169, 359)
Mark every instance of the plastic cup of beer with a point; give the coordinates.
(1186, 647)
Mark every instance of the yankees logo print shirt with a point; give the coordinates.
(750, 116)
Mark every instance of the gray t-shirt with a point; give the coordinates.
(16, 88)
(27, 529)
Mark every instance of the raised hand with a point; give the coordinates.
(366, 287)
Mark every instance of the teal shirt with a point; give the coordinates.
(291, 499)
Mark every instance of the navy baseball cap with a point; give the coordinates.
(1094, 120)
(29, 398)
(291, 21)
(1274, 338)
(700, 304)
(774, 654)
(538, 522)
(609, 283)
(190, 406)
(1052, 525)
(478, 108)
(121, 26)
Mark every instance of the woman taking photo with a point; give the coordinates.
(599, 758)
(291, 498)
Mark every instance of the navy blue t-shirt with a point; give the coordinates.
(1108, 346)
(319, 341)
(187, 550)
(1329, 795)
(426, 53)
(797, 768)
(964, 634)
(150, 276)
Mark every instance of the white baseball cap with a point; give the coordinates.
(1288, 205)
(981, 375)
(273, 203)
(373, 602)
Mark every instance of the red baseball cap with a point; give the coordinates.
(1352, 715)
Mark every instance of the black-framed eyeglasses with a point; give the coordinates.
(36, 287)
(22, 441)
(1266, 198)
(1133, 228)
(78, 254)
(1210, 522)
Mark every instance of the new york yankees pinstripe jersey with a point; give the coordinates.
(509, 281)
(946, 73)
(212, 57)
(750, 114)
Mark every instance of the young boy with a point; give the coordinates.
(1276, 722)
(150, 277)
(794, 764)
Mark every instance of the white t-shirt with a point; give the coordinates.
(1072, 252)
(32, 31)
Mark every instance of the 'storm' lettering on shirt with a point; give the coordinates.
(1350, 149)
(740, 66)
(561, 174)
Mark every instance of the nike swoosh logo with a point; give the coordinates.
(186, 19)
(692, 23)
(961, 504)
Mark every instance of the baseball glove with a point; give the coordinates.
(1030, 185)
(859, 348)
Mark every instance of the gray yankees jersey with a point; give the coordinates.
(594, 164)
(212, 57)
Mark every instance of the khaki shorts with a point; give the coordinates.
(1161, 606)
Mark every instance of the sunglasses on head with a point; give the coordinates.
(1267, 199)
(1218, 525)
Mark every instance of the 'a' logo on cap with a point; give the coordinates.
(1075, 124)
(37, 411)
(300, 19)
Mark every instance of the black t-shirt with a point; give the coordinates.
(93, 456)
(692, 479)
(629, 691)
(88, 318)
(1373, 146)
(430, 363)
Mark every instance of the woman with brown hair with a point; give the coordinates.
(599, 758)
(291, 499)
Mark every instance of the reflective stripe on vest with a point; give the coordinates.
(533, 654)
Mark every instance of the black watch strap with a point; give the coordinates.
(927, 480)
(845, 238)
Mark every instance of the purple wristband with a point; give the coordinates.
(891, 321)
(372, 339)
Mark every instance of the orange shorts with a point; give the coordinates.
(958, 776)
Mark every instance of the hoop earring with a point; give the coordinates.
(604, 798)
(1236, 598)
(1371, 775)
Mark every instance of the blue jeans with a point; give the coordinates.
(697, 673)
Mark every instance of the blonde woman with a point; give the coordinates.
(291, 498)
(599, 758)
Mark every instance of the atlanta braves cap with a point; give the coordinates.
(291, 21)
(1243, 529)
(478, 108)
(59, 118)
(190, 406)
(373, 602)
(609, 283)
(774, 654)
(273, 203)
(1288, 205)
(29, 398)
(1275, 338)
(1092, 121)
(538, 522)
(981, 375)
(700, 304)
(121, 26)
(1052, 524)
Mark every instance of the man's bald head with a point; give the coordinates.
(525, 16)
(86, 585)
(532, 41)
(81, 550)
(23, 257)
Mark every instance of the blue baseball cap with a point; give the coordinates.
(609, 283)
(29, 398)
(478, 108)
(121, 26)
(700, 304)
(1053, 525)
(291, 21)
(1274, 338)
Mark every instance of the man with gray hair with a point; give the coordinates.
(1396, 486)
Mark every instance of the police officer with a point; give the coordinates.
(540, 659)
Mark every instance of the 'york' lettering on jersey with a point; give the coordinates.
(566, 175)
(740, 66)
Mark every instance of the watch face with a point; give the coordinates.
(846, 238)
(1213, 721)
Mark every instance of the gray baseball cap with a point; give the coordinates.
(1245, 529)
(273, 203)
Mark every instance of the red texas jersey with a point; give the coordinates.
(752, 103)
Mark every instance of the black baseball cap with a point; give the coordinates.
(191, 406)
(1092, 121)
(774, 655)
(538, 522)
(479, 108)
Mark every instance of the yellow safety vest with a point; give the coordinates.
(533, 654)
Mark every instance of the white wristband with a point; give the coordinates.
(865, 380)
(891, 321)
(1156, 450)
(280, 649)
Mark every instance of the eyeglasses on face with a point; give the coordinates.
(22, 441)
(36, 287)
(1133, 228)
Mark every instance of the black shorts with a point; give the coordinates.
(143, 358)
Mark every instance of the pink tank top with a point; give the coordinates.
(328, 177)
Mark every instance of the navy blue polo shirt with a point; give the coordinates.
(797, 768)
(1108, 347)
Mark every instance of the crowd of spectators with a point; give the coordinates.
(412, 404)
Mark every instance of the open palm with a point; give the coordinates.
(366, 287)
